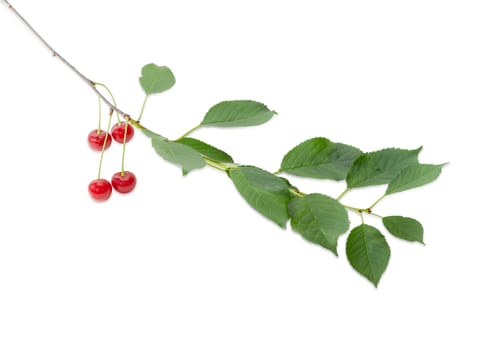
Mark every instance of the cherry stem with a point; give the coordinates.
(142, 108)
(111, 95)
(104, 144)
(124, 147)
(99, 115)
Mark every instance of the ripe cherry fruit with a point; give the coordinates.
(119, 130)
(124, 182)
(96, 139)
(100, 189)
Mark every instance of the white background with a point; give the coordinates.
(185, 263)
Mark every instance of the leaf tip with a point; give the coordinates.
(282, 223)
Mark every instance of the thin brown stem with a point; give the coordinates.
(90, 82)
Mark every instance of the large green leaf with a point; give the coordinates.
(155, 79)
(405, 228)
(176, 153)
(265, 192)
(237, 113)
(319, 219)
(368, 252)
(320, 158)
(380, 167)
(207, 150)
(414, 176)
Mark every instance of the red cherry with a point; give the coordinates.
(124, 183)
(100, 189)
(119, 129)
(96, 140)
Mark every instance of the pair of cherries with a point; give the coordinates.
(96, 138)
(122, 181)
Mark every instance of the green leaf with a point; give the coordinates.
(320, 158)
(368, 252)
(405, 228)
(206, 149)
(319, 219)
(183, 155)
(380, 167)
(237, 113)
(265, 192)
(155, 79)
(414, 176)
(151, 134)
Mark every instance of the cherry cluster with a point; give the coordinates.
(122, 181)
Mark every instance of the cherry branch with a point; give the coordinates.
(127, 117)
(55, 54)
(319, 218)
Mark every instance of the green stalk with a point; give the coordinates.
(377, 201)
(190, 131)
(142, 108)
(124, 148)
(111, 96)
(342, 194)
(104, 144)
(99, 115)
